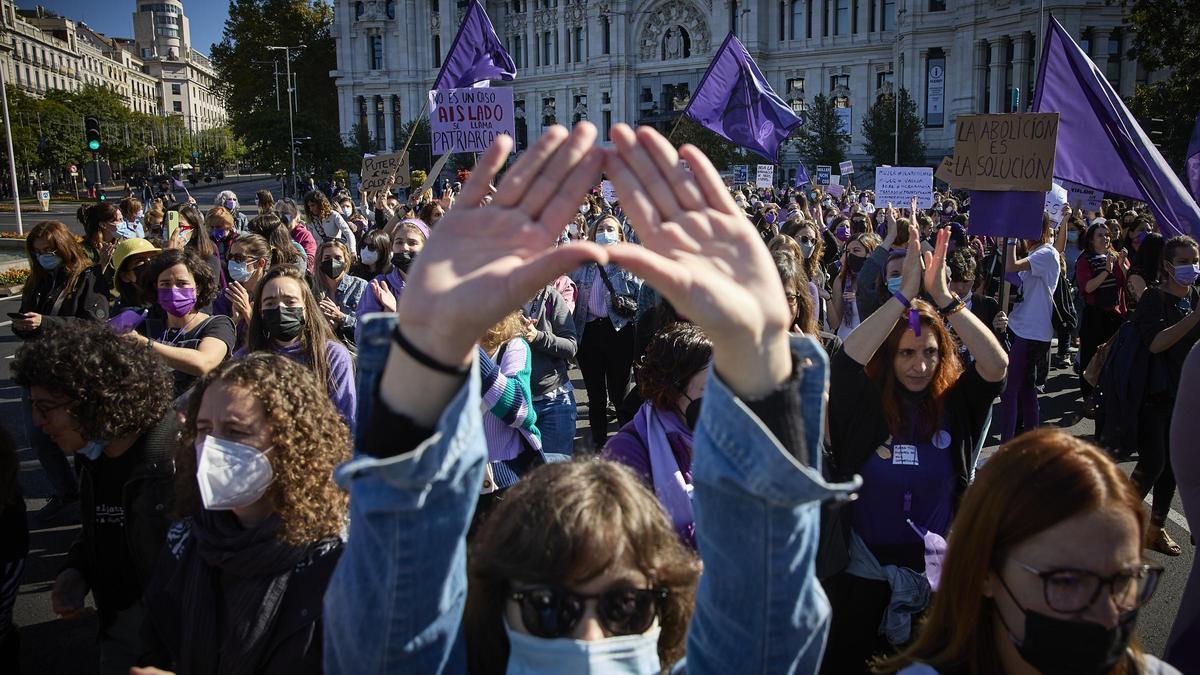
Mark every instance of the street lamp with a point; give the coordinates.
(287, 51)
(6, 49)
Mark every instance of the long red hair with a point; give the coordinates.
(882, 370)
(73, 259)
(1034, 482)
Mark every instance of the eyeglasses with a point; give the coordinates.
(555, 612)
(1071, 591)
(807, 240)
(44, 408)
(792, 298)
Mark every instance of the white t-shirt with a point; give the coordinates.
(1031, 318)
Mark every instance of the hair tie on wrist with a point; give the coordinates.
(425, 359)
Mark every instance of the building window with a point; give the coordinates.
(937, 5)
(1113, 69)
(605, 98)
(843, 18)
(579, 110)
(379, 127)
(362, 113)
(1085, 42)
(1009, 54)
(437, 51)
(883, 81)
(176, 89)
(836, 81)
(391, 9)
(376, 52)
(607, 122)
(797, 19)
(605, 27)
(548, 112)
(647, 95)
(177, 106)
(887, 21)
(579, 45)
(359, 8)
(397, 122)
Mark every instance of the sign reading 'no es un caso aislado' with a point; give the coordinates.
(468, 120)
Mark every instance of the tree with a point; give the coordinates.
(1162, 41)
(879, 131)
(722, 153)
(249, 87)
(820, 140)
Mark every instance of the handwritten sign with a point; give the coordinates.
(1006, 152)
(836, 190)
(945, 170)
(765, 177)
(376, 169)
(741, 174)
(608, 192)
(468, 120)
(823, 173)
(1056, 199)
(1087, 198)
(899, 184)
(846, 168)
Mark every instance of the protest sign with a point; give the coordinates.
(836, 190)
(945, 170)
(1056, 199)
(823, 173)
(1085, 198)
(765, 177)
(1007, 214)
(607, 192)
(376, 169)
(741, 174)
(899, 184)
(846, 168)
(1011, 151)
(835, 179)
(845, 120)
(468, 120)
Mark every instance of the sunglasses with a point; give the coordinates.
(555, 612)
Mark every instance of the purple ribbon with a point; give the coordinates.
(914, 322)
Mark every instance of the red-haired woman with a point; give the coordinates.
(62, 284)
(906, 415)
(1046, 574)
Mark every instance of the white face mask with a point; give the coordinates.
(368, 256)
(231, 475)
(622, 655)
(347, 211)
(606, 238)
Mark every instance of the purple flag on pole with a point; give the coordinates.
(1193, 161)
(476, 55)
(801, 176)
(1007, 214)
(177, 183)
(1100, 144)
(735, 102)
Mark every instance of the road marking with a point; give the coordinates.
(6, 323)
(11, 297)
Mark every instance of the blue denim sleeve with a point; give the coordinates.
(395, 602)
(759, 606)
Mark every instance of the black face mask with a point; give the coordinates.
(1063, 647)
(403, 260)
(283, 323)
(854, 263)
(332, 268)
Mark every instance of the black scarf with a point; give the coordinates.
(232, 590)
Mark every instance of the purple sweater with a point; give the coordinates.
(341, 376)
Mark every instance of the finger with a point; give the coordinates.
(713, 188)
(544, 267)
(642, 210)
(526, 172)
(485, 171)
(565, 200)
(562, 178)
(652, 181)
(682, 181)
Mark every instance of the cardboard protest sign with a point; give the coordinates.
(1056, 199)
(945, 170)
(468, 120)
(765, 177)
(741, 174)
(846, 168)
(1085, 197)
(823, 173)
(376, 169)
(899, 184)
(836, 190)
(1005, 152)
(608, 192)
(835, 179)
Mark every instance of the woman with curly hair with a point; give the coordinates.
(239, 586)
(109, 404)
(657, 442)
(190, 341)
(286, 319)
(327, 222)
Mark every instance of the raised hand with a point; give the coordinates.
(935, 269)
(384, 295)
(703, 255)
(913, 271)
(482, 262)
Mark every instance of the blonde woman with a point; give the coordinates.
(337, 291)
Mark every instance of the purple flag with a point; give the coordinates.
(476, 55)
(176, 182)
(1007, 214)
(735, 102)
(1100, 144)
(1193, 161)
(801, 176)
(935, 554)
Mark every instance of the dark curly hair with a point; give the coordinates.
(206, 285)
(673, 356)
(308, 439)
(120, 390)
(566, 523)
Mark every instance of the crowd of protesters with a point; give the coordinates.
(339, 435)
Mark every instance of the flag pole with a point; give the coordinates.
(678, 120)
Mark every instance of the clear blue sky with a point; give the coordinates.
(115, 17)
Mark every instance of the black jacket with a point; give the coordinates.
(147, 494)
(85, 301)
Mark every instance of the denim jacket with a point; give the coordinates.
(624, 283)
(349, 293)
(395, 603)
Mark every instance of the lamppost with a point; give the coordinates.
(5, 50)
(287, 51)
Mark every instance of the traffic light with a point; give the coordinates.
(91, 127)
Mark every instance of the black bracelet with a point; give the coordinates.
(955, 306)
(954, 300)
(425, 359)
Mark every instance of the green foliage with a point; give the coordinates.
(819, 141)
(879, 127)
(1164, 39)
(722, 153)
(249, 87)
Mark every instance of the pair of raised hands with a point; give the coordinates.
(700, 251)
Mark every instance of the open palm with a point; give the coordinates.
(483, 261)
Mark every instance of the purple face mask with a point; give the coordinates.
(177, 302)
(230, 204)
(842, 233)
(769, 217)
